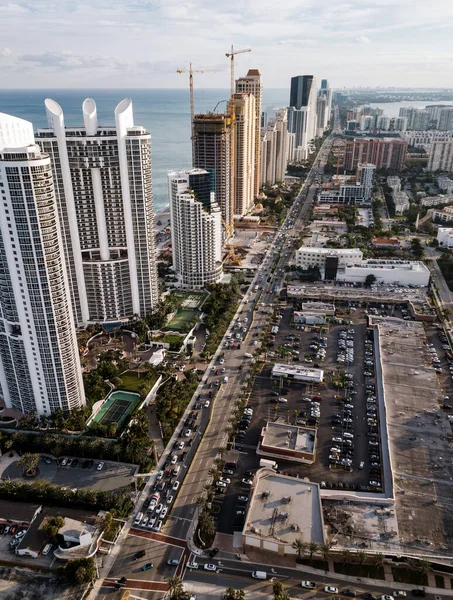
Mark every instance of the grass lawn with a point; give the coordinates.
(181, 319)
(132, 380)
(404, 575)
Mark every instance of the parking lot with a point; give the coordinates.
(80, 474)
(348, 446)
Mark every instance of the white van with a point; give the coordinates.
(259, 575)
(47, 549)
(228, 336)
(225, 379)
(138, 518)
(248, 355)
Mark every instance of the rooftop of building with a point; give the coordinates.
(298, 370)
(330, 251)
(318, 306)
(19, 512)
(419, 436)
(289, 437)
(373, 263)
(35, 537)
(285, 509)
(386, 241)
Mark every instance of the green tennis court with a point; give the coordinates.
(117, 408)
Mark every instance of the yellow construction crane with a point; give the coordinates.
(191, 71)
(228, 243)
(231, 55)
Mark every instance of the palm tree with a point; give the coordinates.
(201, 502)
(175, 586)
(232, 594)
(28, 464)
(324, 550)
(345, 556)
(300, 546)
(361, 557)
(312, 549)
(379, 560)
(412, 564)
(424, 566)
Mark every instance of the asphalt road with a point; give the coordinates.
(210, 435)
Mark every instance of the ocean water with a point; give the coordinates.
(164, 112)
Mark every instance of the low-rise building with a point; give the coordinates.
(307, 256)
(281, 510)
(325, 308)
(309, 318)
(437, 200)
(288, 442)
(441, 215)
(403, 272)
(445, 183)
(298, 372)
(445, 237)
(18, 513)
(385, 242)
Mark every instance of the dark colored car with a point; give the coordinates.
(349, 592)
(213, 552)
(139, 554)
(123, 580)
(75, 462)
(421, 593)
(368, 596)
(147, 566)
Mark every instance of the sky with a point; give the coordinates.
(141, 43)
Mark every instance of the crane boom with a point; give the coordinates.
(231, 55)
(191, 71)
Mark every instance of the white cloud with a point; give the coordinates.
(362, 39)
(115, 42)
(5, 51)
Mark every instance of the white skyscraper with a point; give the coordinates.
(251, 84)
(196, 228)
(274, 149)
(302, 117)
(103, 187)
(39, 359)
(244, 152)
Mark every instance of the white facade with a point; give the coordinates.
(352, 193)
(441, 156)
(403, 272)
(251, 84)
(307, 256)
(400, 198)
(424, 139)
(244, 152)
(437, 200)
(321, 111)
(39, 359)
(274, 149)
(105, 204)
(445, 237)
(445, 184)
(443, 215)
(399, 123)
(196, 231)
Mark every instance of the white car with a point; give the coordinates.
(192, 565)
(399, 594)
(330, 589)
(100, 466)
(221, 484)
(207, 404)
(309, 585)
(209, 567)
(160, 475)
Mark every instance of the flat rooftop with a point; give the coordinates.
(289, 437)
(419, 432)
(349, 292)
(297, 372)
(285, 508)
(318, 306)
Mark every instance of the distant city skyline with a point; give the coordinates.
(137, 44)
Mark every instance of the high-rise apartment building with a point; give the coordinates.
(326, 93)
(196, 229)
(302, 119)
(103, 188)
(251, 84)
(39, 359)
(441, 157)
(445, 119)
(212, 147)
(385, 153)
(244, 152)
(321, 109)
(417, 119)
(274, 149)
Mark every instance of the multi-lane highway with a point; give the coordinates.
(210, 435)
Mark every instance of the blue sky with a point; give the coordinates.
(141, 43)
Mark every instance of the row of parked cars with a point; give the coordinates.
(345, 353)
(330, 589)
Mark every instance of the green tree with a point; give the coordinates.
(379, 560)
(175, 586)
(370, 280)
(345, 556)
(28, 464)
(232, 594)
(324, 550)
(52, 526)
(279, 591)
(361, 556)
(300, 546)
(313, 548)
(81, 570)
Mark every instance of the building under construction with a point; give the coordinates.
(211, 151)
